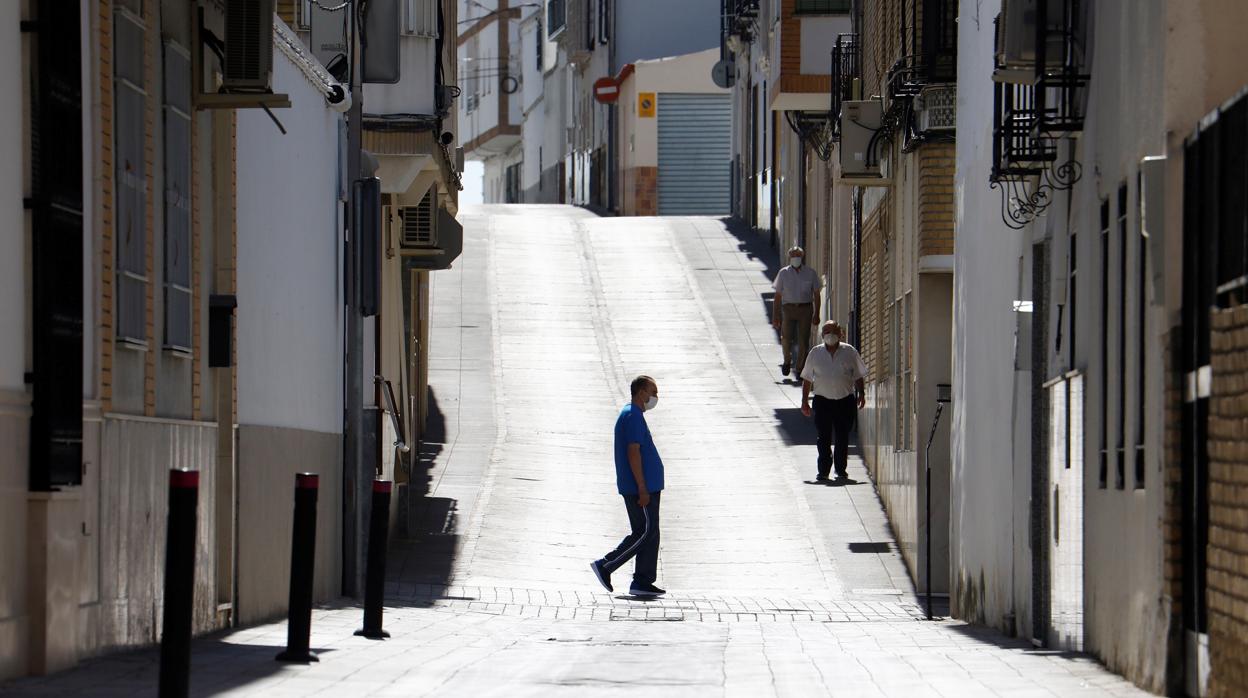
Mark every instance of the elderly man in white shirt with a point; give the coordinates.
(795, 308)
(834, 373)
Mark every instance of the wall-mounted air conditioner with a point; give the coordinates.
(935, 109)
(1016, 40)
(248, 45)
(418, 224)
(860, 148)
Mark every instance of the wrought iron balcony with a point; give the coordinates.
(1016, 152)
(846, 76)
(931, 44)
(739, 18)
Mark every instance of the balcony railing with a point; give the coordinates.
(846, 76)
(1016, 152)
(1061, 86)
(930, 40)
(739, 18)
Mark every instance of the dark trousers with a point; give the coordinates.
(833, 419)
(642, 542)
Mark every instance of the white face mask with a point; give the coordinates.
(830, 340)
(652, 402)
(795, 261)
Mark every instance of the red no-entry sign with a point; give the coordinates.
(606, 90)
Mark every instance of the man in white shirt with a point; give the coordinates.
(834, 373)
(795, 308)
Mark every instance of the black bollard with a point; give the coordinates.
(375, 579)
(175, 637)
(302, 557)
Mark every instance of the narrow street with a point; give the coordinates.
(777, 586)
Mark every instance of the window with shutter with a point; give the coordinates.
(177, 200)
(130, 100)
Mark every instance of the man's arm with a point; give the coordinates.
(861, 389)
(775, 310)
(806, 386)
(634, 462)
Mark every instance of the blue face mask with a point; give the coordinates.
(796, 262)
(652, 402)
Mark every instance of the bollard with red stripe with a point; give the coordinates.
(302, 559)
(375, 576)
(175, 636)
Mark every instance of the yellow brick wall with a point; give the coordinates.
(936, 227)
(1228, 505)
(876, 293)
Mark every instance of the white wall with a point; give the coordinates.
(688, 74)
(818, 38)
(289, 325)
(413, 93)
(987, 522)
(1125, 620)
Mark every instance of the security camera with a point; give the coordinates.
(338, 98)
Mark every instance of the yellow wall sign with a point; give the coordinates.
(645, 105)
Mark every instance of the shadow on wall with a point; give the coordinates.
(426, 549)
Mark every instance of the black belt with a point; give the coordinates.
(797, 304)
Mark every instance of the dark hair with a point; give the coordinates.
(639, 383)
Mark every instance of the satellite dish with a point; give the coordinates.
(723, 74)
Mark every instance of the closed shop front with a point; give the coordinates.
(695, 135)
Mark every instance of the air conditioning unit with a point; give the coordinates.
(936, 108)
(860, 148)
(418, 226)
(1016, 40)
(248, 46)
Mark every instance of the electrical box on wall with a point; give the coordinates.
(860, 148)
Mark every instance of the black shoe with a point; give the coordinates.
(842, 475)
(821, 478)
(646, 590)
(784, 369)
(604, 577)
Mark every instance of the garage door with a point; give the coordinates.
(695, 132)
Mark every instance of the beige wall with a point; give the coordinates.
(268, 459)
(687, 74)
(14, 460)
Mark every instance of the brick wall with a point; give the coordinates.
(936, 228)
(641, 191)
(1172, 519)
(1228, 504)
(876, 288)
(881, 46)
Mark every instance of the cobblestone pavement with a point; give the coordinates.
(777, 586)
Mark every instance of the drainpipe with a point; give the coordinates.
(801, 197)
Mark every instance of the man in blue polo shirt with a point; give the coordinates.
(639, 479)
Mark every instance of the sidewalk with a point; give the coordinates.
(777, 587)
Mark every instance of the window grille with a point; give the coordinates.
(556, 17)
(420, 18)
(177, 203)
(130, 173)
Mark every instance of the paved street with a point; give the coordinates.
(777, 586)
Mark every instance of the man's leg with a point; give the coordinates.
(628, 547)
(824, 427)
(804, 314)
(788, 324)
(844, 411)
(647, 567)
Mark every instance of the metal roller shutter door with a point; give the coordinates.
(694, 154)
